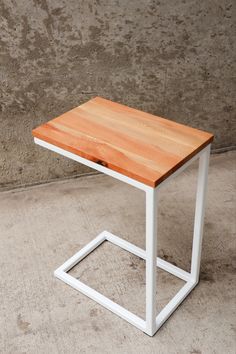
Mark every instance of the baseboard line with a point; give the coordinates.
(93, 173)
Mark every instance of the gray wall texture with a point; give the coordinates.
(175, 59)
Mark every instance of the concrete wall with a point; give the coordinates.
(171, 58)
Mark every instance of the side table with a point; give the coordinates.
(145, 151)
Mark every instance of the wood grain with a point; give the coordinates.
(139, 145)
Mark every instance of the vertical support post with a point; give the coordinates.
(151, 254)
(199, 214)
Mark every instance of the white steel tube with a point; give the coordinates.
(173, 304)
(102, 300)
(182, 168)
(93, 165)
(168, 267)
(151, 255)
(71, 262)
(199, 214)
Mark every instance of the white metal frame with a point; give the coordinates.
(153, 321)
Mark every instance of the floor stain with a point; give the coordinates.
(23, 325)
(133, 265)
(207, 277)
(94, 312)
(166, 257)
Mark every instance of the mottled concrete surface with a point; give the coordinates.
(43, 226)
(176, 60)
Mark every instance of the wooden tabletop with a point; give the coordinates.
(139, 145)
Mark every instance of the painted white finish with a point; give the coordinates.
(153, 321)
(168, 267)
(91, 164)
(199, 214)
(112, 173)
(151, 260)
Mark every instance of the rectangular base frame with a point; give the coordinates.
(152, 322)
(61, 273)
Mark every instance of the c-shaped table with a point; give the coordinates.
(145, 151)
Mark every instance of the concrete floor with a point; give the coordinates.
(43, 226)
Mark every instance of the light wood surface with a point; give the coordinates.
(139, 145)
